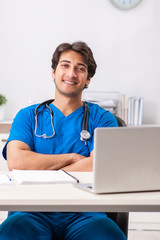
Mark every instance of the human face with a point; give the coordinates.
(71, 74)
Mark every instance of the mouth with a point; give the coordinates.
(69, 82)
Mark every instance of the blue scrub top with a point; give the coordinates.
(67, 129)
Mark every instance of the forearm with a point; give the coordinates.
(19, 156)
(31, 160)
(84, 165)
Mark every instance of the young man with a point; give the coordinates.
(40, 142)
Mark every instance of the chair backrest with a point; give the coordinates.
(121, 219)
(121, 123)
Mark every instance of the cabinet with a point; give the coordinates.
(3, 162)
(4, 133)
(144, 221)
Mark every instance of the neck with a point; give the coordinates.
(67, 105)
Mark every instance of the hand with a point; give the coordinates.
(81, 164)
(76, 157)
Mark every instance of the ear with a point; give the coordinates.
(53, 74)
(88, 81)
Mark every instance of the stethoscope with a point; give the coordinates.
(84, 134)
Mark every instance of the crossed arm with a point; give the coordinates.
(20, 156)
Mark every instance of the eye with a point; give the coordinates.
(81, 69)
(64, 65)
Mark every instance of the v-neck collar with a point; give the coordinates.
(62, 114)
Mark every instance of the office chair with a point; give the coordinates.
(121, 123)
(121, 218)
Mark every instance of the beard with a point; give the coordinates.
(72, 93)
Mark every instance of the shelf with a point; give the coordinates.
(5, 126)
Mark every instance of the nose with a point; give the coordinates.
(72, 73)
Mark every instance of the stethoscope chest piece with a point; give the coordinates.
(84, 135)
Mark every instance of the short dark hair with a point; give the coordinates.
(80, 47)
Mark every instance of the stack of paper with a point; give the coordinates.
(106, 100)
(41, 176)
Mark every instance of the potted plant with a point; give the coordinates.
(3, 101)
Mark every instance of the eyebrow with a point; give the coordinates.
(80, 64)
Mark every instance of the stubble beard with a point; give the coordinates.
(69, 94)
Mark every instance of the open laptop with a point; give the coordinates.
(126, 159)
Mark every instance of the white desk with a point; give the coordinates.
(66, 197)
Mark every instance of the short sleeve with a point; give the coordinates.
(21, 129)
(107, 119)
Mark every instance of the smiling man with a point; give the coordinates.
(40, 141)
(71, 74)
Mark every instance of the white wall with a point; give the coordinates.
(126, 46)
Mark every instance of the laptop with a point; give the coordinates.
(126, 159)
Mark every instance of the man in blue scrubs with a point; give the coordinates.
(40, 145)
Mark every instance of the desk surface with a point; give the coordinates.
(66, 197)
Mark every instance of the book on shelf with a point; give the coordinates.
(132, 110)
(136, 112)
(124, 107)
(140, 111)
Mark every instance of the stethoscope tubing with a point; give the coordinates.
(84, 135)
(47, 102)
